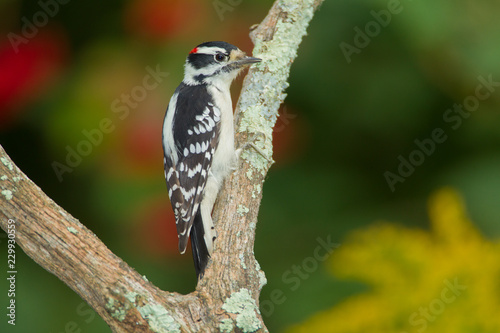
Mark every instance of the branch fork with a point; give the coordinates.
(227, 297)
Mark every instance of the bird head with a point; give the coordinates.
(215, 63)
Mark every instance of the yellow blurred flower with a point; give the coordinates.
(444, 280)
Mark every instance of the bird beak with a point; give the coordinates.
(246, 60)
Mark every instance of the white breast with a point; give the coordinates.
(224, 154)
(168, 132)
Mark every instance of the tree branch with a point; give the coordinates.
(226, 299)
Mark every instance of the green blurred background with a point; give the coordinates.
(346, 122)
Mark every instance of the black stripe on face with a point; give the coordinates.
(200, 60)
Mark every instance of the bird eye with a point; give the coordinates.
(220, 57)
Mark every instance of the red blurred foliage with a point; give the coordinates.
(142, 143)
(163, 19)
(155, 230)
(236, 31)
(28, 73)
(290, 136)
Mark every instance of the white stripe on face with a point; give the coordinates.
(210, 50)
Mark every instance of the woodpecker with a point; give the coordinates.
(198, 142)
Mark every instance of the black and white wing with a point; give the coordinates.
(190, 136)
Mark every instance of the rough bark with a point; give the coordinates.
(226, 299)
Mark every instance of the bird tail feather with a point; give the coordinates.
(198, 246)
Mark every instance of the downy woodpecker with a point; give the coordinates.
(198, 142)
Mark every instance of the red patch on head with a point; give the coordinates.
(194, 50)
